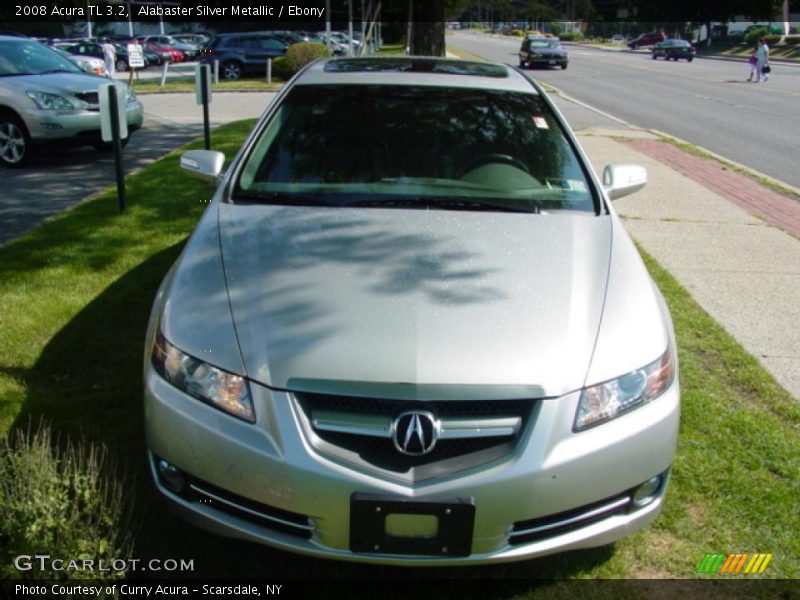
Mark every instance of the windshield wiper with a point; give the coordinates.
(282, 198)
(55, 71)
(436, 203)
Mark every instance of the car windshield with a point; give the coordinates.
(431, 147)
(31, 58)
(544, 43)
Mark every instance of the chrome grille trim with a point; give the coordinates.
(381, 426)
(606, 508)
(255, 513)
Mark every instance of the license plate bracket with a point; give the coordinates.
(368, 514)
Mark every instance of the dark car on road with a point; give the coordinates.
(645, 39)
(242, 53)
(540, 50)
(673, 49)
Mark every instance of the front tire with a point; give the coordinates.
(232, 70)
(16, 147)
(121, 65)
(563, 66)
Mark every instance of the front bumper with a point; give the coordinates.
(267, 483)
(74, 125)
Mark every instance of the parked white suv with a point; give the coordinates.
(44, 97)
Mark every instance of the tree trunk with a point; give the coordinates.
(427, 32)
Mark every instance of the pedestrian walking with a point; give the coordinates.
(110, 57)
(753, 61)
(762, 56)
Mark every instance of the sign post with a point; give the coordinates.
(135, 59)
(114, 128)
(202, 81)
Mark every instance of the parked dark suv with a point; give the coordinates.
(240, 53)
(646, 39)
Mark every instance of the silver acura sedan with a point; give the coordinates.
(410, 329)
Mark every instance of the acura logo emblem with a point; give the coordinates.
(415, 433)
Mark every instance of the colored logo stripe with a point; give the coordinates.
(734, 563)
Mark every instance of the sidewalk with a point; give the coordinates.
(717, 232)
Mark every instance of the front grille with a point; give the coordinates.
(381, 451)
(263, 515)
(546, 527)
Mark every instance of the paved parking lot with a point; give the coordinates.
(61, 178)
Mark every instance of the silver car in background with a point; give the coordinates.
(410, 329)
(46, 99)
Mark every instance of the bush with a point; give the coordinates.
(571, 36)
(772, 39)
(61, 503)
(299, 55)
(793, 40)
(280, 68)
(517, 33)
(752, 36)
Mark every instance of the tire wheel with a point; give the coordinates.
(521, 64)
(231, 70)
(689, 59)
(16, 147)
(122, 65)
(654, 56)
(563, 66)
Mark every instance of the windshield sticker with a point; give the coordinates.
(540, 123)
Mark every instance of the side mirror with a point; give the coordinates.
(205, 165)
(621, 180)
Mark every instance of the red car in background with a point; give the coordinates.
(646, 39)
(176, 55)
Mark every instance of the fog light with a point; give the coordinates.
(171, 477)
(646, 492)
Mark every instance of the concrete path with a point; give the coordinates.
(742, 269)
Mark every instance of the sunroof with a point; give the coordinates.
(415, 65)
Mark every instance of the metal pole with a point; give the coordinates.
(164, 72)
(269, 70)
(117, 144)
(130, 22)
(88, 19)
(350, 27)
(216, 72)
(204, 94)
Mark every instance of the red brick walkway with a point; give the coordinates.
(734, 187)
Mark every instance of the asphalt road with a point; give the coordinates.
(705, 102)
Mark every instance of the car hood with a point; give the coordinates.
(57, 83)
(427, 298)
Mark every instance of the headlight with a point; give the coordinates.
(609, 400)
(50, 101)
(214, 386)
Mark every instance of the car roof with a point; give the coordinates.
(415, 70)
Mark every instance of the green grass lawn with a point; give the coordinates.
(186, 84)
(75, 295)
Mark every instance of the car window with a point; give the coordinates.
(31, 58)
(346, 144)
(270, 44)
